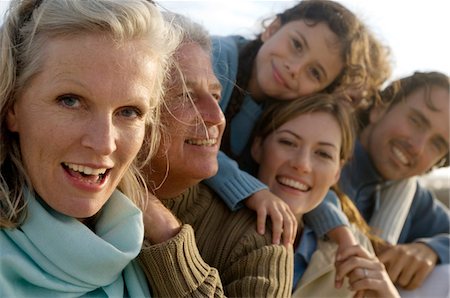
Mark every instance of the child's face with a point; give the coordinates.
(300, 163)
(295, 60)
(409, 138)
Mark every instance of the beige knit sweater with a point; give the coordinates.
(248, 264)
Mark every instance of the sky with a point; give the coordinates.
(417, 31)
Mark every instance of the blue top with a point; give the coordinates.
(428, 220)
(232, 184)
(303, 253)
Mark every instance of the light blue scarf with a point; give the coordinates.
(55, 255)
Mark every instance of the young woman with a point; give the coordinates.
(81, 81)
(299, 163)
(317, 45)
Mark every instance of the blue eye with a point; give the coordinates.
(130, 112)
(71, 101)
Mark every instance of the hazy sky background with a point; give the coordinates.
(417, 31)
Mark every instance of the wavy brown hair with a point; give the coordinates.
(365, 59)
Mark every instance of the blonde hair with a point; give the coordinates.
(32, 23)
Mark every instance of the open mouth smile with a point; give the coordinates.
(85, 173)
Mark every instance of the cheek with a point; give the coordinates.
(131, 142)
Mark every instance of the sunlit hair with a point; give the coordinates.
(280, 113)
(28, 27)
(365, 58)
(398, 90)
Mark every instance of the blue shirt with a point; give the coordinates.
(428, 220)
(303, 254)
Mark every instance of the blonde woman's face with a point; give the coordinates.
(295, 60)
(81, 120)
(300, 162)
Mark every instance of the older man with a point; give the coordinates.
(248, 264)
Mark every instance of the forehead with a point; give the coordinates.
(194, 62)
(305, 126)
(433, 104)
(97, 63)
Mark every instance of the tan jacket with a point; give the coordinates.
(318, 279)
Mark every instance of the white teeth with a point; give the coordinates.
(85, 170)
(293, 183)
(207, 142)
(399, 154)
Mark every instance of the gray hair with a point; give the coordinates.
(191, 31)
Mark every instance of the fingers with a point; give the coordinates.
(355, 250)
(284, 223)
(417, 279)
(290, 226)
(277, 226)
(261, 221)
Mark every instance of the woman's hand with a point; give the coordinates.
(159, 222)
(284, 222)
(366, 274)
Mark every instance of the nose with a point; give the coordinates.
(301, 160)
(418, 142)
(210, 111)
(100, 135)
(295, 66)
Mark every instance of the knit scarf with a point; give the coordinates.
(52, 254)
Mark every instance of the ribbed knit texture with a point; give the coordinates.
(249, 265)
(176, 269)
(394, 204)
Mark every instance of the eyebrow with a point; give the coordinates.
(424, 120)
(305, 42)
(300, 138)
(213, 85)
(421, 117)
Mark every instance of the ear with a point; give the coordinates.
(11, 120)
(271, 30)
(256, 149)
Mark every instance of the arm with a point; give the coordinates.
(247, 277)
(428, 223)
(170, 250)
(175, 268)
(425, 238)
(326, 216)
(232, 184)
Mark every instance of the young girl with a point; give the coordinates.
(299, 163)
(314, 46)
